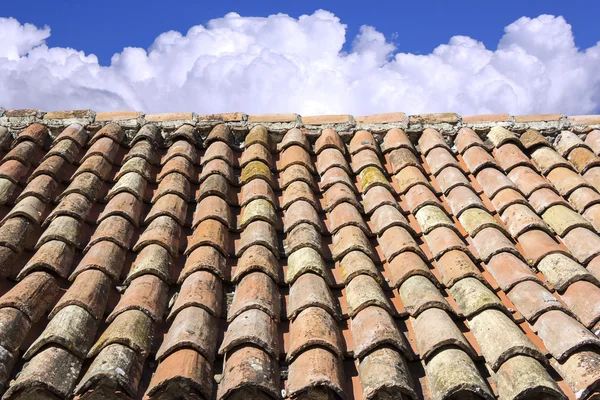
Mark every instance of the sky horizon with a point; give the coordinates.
(541, 57)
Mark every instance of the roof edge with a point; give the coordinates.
(447, 123)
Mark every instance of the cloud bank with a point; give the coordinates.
(282, 64)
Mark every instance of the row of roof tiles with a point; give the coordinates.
(377, 123)
(420, 263)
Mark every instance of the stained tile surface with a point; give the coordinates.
(214, 262)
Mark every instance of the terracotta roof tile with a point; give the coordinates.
(359, 265)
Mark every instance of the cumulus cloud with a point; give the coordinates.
(282, 64)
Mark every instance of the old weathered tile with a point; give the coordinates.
(54, 371)
(351, 238)
(313, 368)
(472, 296)
(105, 256)
(295, 155)
(385, 217)
(434, 329)
(132, 328)
(364, 291)
(252, 368)
(15, 233)
(562, 334)
(521, 376)
(15, 326)
(257, 189)
(439, 159)
(310, 290)
(258, 233)
(72, 327)
(532, 299)
(220, 132)
(409, 177)
(385, 371)
(430, 139)
(377, 197)
(462, 198)
(560, 271)
(300, 212)
(477, 159)
(294, 137)
(403, 157)
(420, 196)
(147, 293)
(55, 256)
(362, 140)
(581, 372)
(342, 215)
(132, 183)
(500, 338)
(303, 235)
(124, 204)
(508, 270)
(562, 219)
(418, 294)
(456, 265)
(259, 258)
(217, 150)
(329, 139)
(356, 263)
(467, 138)
(314, 327)
(395, 241)
(371, 177)
(584, 244)
(493, 181)
(163, 231)
(74, 132)
(114, 229)
(213, 207)
(451, 372)
(566, 181)
(583, 298)
(255, 152)
(531, 138)
(374, 327)
(43, 187)
(293, 174)
(203, 258)
(193, 327)
(182, 371)
(395, 139)
(90, 291)
(251, 327)
(200, 289)
(442, 240)
(450, 178)
(431, 217)
(364, 159)
(33, 296)
(115, 366)
(491, 241)
(405, 265)
(255, 291)
(546, 159)
(305, 260)
(500, 136)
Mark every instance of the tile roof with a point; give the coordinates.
(266, 256)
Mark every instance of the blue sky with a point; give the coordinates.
(326, 57)
(106, 27)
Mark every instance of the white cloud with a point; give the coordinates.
(282, 64)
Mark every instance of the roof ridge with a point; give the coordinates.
(447, 123)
